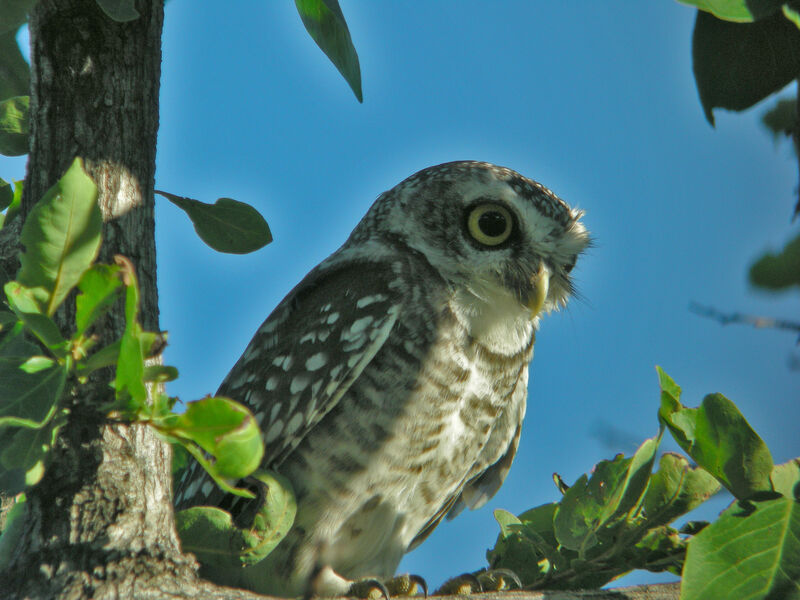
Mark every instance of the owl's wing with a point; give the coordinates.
(304, 358)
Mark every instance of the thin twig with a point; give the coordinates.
(728, 318)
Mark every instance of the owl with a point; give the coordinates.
(390, 384)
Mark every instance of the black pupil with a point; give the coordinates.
(492, 223)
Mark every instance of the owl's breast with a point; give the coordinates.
(433, 409)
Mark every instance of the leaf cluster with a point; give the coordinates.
(619, 518)
(44, 369)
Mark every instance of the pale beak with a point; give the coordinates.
(540, 284)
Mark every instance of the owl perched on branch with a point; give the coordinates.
(390, 384)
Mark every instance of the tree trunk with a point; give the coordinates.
(100, 522)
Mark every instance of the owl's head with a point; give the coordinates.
(486, 229)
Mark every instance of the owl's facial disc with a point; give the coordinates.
(540, 285)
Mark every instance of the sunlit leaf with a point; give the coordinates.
(729, 10)
(12, 530)
(676, 488)
(785, 479)
(25, 304)
(99, 288)
(61, 236)
(130, 361)
(227, 225)
(720, 440)
(325, 23)
(210, 534)
(12, 208)
(751, 552)
(226, 430)
(160, 373)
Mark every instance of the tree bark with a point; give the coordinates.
(100, 522)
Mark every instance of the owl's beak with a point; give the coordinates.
(540, 284)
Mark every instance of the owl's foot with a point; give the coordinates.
(401, 585)
(492, 580)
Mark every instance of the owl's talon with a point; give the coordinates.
(368, 589)
(498, 580)
(466, 583)
(407, 585)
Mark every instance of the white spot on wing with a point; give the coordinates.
(367, 300)
(332, 318)
(294, 424)
(316, 361)
(207, 488)
(361, 324)
(272, 383)
(274, 431)
(276, 408)
(299, 383)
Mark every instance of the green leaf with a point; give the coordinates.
(668, 387)
(786, 479)
(739, 64)
(129, 379)
(13, 528)
(227, 225)
(7, 320)
(210, 533)
(324, 21)
(14, 342)
(37, 363)
(14, 71)
(615, 487)
(28, 399)
(14, 126)
(105, 357)
(14, 13)
(223, 428)
(676, 488)
(160, 373)
(274, 518)
(729, 10)
(778, 271)
(12, 210)
(6, 194)
(24, 455)
(99, 288)
(720, 440)
(781, 119)
(61, 237)
(121, 11)
(577, 518)
(750, 552)
(793, 14)
(23, 301)
(526, 545)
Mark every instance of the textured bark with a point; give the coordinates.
(100, 522)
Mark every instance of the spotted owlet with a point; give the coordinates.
(390, 384)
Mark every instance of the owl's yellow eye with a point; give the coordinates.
(490, 224)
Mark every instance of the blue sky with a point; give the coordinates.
(595, 100)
